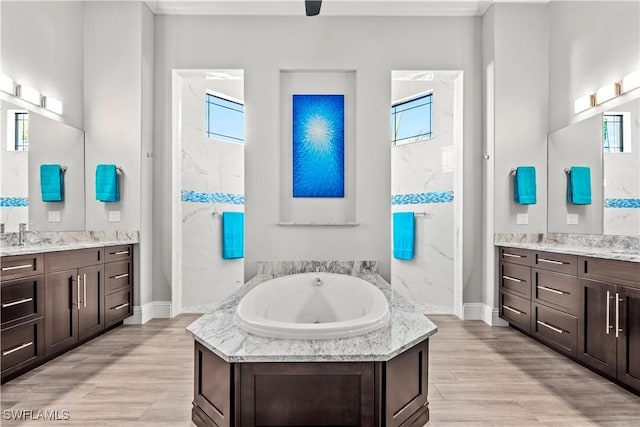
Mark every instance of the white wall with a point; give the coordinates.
(263, 46)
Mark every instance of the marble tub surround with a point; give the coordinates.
(273, 269)
(623, 248)
(50, 241)
(218, 332)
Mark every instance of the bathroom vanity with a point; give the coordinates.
(374, 379)
(56, 300)
(581, 302)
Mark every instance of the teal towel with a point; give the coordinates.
(403, 235)
(525, 185)
(107, 189)
(579, 186)
(232, 235)
(52, 183)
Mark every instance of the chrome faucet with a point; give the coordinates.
(317, 281)
(22, 233)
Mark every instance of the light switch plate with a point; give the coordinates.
(522, 219)
(53, 216)
(114, 216)
(572, 219)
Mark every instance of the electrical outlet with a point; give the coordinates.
(522, 219)
(53, 216)
(572, 219)
(114, 216)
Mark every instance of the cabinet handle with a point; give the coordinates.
(546, 325)
(608, 312)
(120, 276)
(555, 291)
(506, 307)
(16, 267)
(84, 284)
(14, 349)
(512, 255)
(550, 261)
(618, 315)
(78, 295)
(120, 252)
(513, 279)
(121, 306)
(22, 301)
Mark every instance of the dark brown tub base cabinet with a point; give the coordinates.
(55, 301)
(392, 393)
(585, 308)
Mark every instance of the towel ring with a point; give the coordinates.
(63, 169)
(119, 170)
(567, 171)
(513, 171)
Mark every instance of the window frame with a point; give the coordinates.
(414, 138)
(226, 98)
(625, 131)
(11, 121)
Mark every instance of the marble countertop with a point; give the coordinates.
(631, 255)
(218, 332)
(64, 241)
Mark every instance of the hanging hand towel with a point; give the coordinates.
(107, 189)
(525, 185)
(232, 235)
(403, 235)
(52, 183)
(579, 187)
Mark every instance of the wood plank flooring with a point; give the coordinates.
(479, 376)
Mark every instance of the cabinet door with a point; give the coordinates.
(91, 312)
(596, 335)
(629, 336)
(61, 310)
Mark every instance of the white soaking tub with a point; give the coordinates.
(313, 306)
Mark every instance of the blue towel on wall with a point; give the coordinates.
(403, 235)
(525, 185)
(52, 183)
(579, 186)
(107, 189)
(232, 235)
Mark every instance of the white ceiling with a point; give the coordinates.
(329, 7)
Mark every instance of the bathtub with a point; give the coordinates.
(313, 306)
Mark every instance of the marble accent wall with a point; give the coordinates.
(212, 182)
(285, 268)
(422, 181)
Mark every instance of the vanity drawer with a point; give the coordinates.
(610, 270)
(119, 275)
(118, 306)
(515, 278)
(21, 345)
(557, 290)
(67, 260)
(22, 300)
(516, 256)
(556, 329)
(515, 310)
(118, 253)
(15, 267)
(562, 263)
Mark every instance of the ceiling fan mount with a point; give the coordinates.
(312, 7)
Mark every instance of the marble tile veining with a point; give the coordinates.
(50, 241)
(285, 268)
(218, 332)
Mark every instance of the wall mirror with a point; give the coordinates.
(609, 145)
(29, 139)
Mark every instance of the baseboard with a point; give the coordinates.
(480, 311)
(151, 310)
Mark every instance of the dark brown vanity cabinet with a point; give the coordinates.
(586, 308)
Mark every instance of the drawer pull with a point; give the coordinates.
(546, 325)
(513, 279)
(121, 306)
(14, 349)
(120, 276)
(22, 301)
(506, 307)
(550, 261)
(618, 330)
(17, 267)
(555, 291)
(608, 312)
(120, 252)
(513, 255)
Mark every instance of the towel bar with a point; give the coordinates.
(420, 213)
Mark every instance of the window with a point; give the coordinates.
(613, 133)
(17, 130)
(225, 119)
(412, 120)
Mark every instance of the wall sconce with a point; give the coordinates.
(630, 82)
(52, 104)
(608, 92)
(29, 94)
(583, 103)
(6, 84)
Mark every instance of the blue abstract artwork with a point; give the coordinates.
(318, 145)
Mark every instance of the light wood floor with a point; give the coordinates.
(479, 376)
